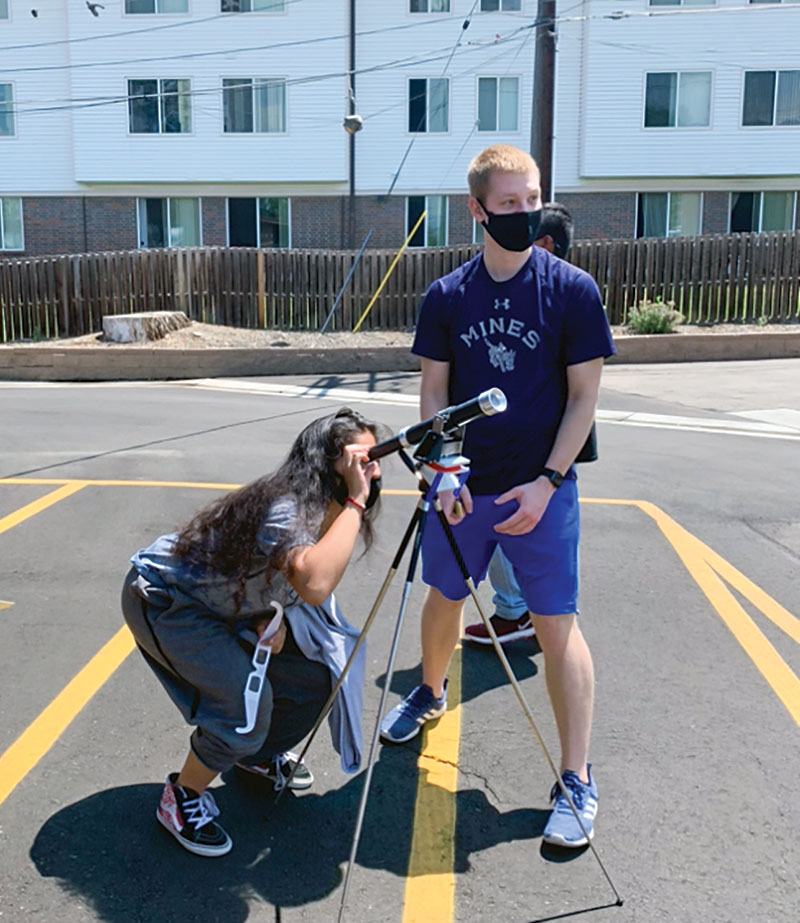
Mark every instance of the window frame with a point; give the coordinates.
(426, 130)
(677, 126)
(167, 199)
(497, 77)
(651, 5)
(160, 132)
(262, 80)
(408, 225)
(429, 12)
(773, 124)
(760, 193)
(14, 121)
(258, 199)
(3, 248)
(669, 193)
(281, 12)
(156, 11)
(500, 9)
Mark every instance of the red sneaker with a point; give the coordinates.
(505, 629)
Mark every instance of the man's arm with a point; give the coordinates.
(433, 389)
(583, 385)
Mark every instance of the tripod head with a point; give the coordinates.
(445, 422)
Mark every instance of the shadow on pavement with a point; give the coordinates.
(481, 670)
(109, 850)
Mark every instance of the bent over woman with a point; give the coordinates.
(199, 601)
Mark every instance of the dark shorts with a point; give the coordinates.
(545, 560)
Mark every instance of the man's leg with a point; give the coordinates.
(569, 674)
(511, 620)
(441, 619)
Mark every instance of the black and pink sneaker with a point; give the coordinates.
(189, 817)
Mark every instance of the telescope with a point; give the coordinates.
(486, 404)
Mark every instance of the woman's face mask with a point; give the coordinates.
(514, 231)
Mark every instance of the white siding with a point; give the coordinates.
(600, 125)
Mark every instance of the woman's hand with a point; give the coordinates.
(357, 470)
(276, 644)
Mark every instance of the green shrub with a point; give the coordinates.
(654, 317)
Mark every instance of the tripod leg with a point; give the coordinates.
(415, 518)
(513, 680)
(423, 507)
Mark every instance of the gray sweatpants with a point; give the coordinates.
(204, 665)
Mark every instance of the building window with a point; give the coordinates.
(686, 2)
(168, 222)
(3, 9)
(478, 232)
(433, 230)
(428, 104)
(156, 6)
(6, 109)
(774, 1)
(429, 6)
(159, 106)
(763, 211)
(254, 104)
(668, 214)
(253, 6)
(506, 6)
(771, 98)
(498, 103)
(11, 224)
(680, 100)
(260, 222)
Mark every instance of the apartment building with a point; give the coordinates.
(150, 123)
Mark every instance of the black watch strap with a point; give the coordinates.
(555, 477)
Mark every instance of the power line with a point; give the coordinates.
(203, 54)
(398, 63)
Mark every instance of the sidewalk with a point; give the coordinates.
(120, 363)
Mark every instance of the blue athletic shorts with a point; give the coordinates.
(545, 560)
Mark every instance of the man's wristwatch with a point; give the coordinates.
(555, 477)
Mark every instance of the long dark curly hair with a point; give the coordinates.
(222, 536)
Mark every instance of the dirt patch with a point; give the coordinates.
(211, 336)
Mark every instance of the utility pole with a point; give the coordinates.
(351, 216)
(543, 107)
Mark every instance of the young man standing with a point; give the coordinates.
(518, 319)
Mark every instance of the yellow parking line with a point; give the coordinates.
(39, 737)
(200, 485)
(31, 509)
(430, 882)
(702, 567)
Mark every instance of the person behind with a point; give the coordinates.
(511, 620)
(517, 318)
(197, 602)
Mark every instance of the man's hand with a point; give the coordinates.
(532, 498)
(453, 513)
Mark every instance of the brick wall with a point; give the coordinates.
(601, 215)
(111, 223)
(715, 212)
(460, 221)
(53, 225)
(214, 222)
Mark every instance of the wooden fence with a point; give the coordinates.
(734, 278)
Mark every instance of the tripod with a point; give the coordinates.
(435, 473)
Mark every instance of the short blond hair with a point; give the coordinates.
(499, 158)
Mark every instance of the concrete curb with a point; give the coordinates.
(120, 363)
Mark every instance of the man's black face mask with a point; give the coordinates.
(340, 491)
(515, 231)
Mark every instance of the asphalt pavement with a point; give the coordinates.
(689, 601)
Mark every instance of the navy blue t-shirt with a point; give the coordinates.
(519, 336)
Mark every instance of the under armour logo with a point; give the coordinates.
(505, 304)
